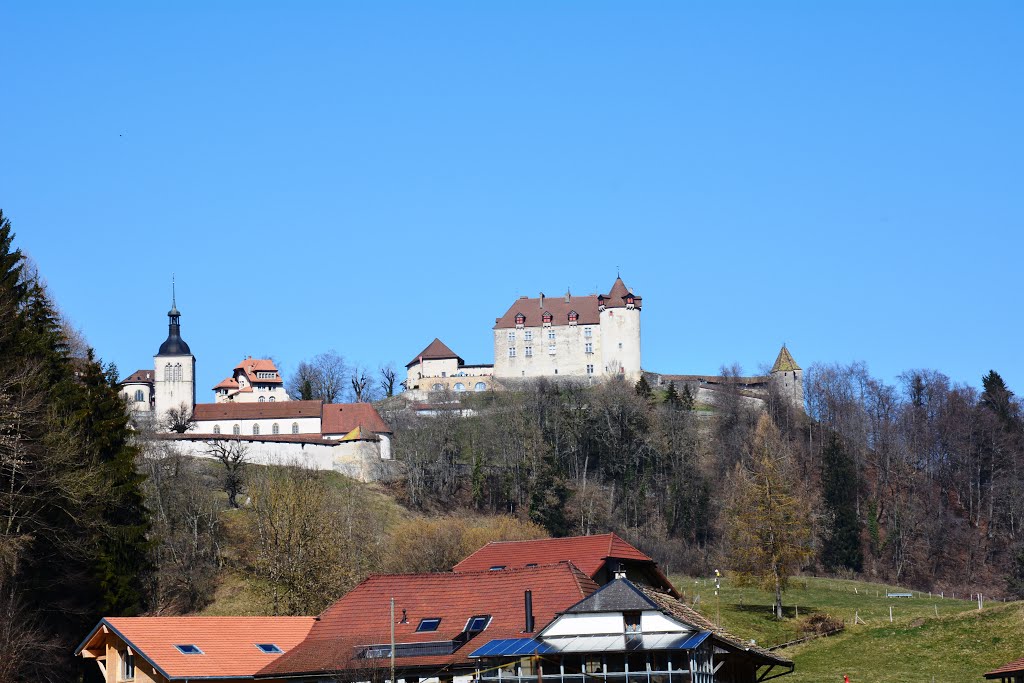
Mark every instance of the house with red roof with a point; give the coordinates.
(600, 557)
(254, 380)
(438, 368)
(1012, 672)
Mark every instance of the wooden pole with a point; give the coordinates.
(890, 614)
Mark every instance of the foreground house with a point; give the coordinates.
(1008, 673)
(158, 649)
(599, 557)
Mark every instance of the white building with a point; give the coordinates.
(254, 380)
(595, 336)
(438, 368)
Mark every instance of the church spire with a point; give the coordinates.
(174, 345)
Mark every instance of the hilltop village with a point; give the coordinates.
(589, 339)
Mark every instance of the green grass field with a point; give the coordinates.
(930, 638)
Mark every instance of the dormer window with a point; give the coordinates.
(600, 303)
(477, 623)
(520, 319)
(573, 317)
(631, 621)
(630, 301)
(547, 318)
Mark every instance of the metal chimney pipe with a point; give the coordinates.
(528, 608)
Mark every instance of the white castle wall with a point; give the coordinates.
(570, 357)
(620, 343)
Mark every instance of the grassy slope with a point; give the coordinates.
(958, 645)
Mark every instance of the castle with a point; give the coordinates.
(590, 338)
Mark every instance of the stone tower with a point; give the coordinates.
(174, 368)
(789, 378)
(620, 331)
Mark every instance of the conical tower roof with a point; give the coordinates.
(785, 362)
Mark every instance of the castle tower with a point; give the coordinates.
(175, 368)
(789, 378)
(619, 312)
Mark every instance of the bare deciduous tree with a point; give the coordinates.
(233, 454)
(325, 377)
(179, 419)
(388, 379)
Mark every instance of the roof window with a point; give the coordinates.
(478, 623)
(189, 649)
(497, 567)
(269, 648)
(429, 624)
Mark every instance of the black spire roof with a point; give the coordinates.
(174, 345)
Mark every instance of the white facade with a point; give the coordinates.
(175, 382)
(260, 427)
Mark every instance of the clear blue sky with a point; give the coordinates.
(844, 177)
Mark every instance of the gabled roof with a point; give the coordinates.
(621, 595)
(342, 418)
(1014, 667)
(228, 644)
(257, 411)
(785, 362)
(361, 617)
(436, 350)
(557, 306)
(589, 553)
(139, 377)
(250, 366)
(682, 612)
(227, 383)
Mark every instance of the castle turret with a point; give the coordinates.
(620, 331)
(174, 368)
(789, 378)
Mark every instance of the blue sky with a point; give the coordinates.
(844, 177)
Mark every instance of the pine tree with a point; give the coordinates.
(770, 516)
(686, 400)
(643, 388)
(671, 396)
(841, 549)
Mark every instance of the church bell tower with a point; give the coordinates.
(174, 368)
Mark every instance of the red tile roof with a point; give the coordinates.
(361, 617)
(228, 644)
(342, 418)
(227, 383)
(250, 366)
(139, 377)
(1014, 667)
(589, 553)
(257, 411)
(436, 350)
(586, 307)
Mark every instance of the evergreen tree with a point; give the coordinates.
(841, 549)
(672, 396)
(686, 399)
(643, 388)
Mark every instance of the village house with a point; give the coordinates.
(438, 368)
(537, 615)
(254, 380)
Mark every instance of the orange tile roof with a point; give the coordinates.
(227, 383)
(342, 418)
(361, 617)
(250, 366)
(1014, 667)
(228, 644)
(589, 553)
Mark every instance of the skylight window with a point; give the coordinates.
(497, 567)
(478, 623)
(430, 624)
(269, 648)
(189, 649)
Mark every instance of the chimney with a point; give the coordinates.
(568, 296)
(528, 609)
(542, 300)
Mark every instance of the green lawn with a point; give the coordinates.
(929, 636)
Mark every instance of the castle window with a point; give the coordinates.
(511, 352)
(256, 429)
(590, 369)
(630, 302)
(168, 373)
(459, 386)
(272, 399)
(520, 319)
(551, 349)
(573, 317)
(263, 399)
(587, 333)
(236, 430)
(551, 335)
(511, 336)
(216, 429)
(480, 386)
(529, 352)
(528, 335)
(139, 397)
(620, 345)
(547, 318)
(295, 427)
(437, 387)
(588, 348)
(275, 429)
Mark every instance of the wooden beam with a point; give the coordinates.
(103, 668)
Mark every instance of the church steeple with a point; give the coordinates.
(174, 345)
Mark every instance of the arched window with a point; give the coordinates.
(459, 386)
(255, 428)
(295, 427)
(276, 429)
(272, 399)
(216, 429)
(168, 373)
(437, 387)
(480, 386)
(139, 396)
(262, 399)
(236, 430)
